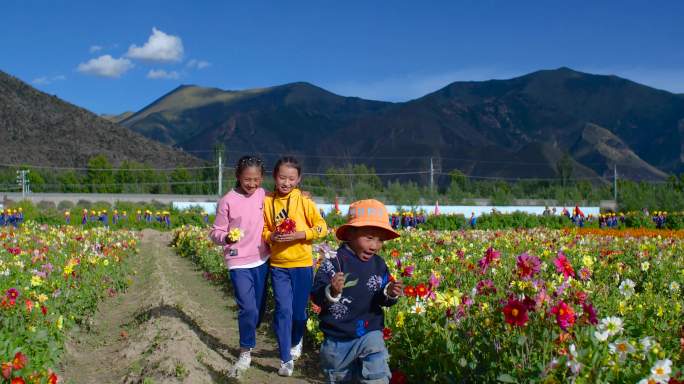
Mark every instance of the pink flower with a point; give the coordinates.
(563, 265)
(408, 271)
(565, 315)
(433, 281)
(490, 257)
(485, 287)
(528, 266)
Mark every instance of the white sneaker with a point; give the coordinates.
(286, 369)
(242, 364)
(296, 351)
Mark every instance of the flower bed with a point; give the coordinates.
(536, 305)
(51, 278)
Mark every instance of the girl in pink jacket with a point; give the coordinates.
(237, 227)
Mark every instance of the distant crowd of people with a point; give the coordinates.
(102, 217)
(11, 217)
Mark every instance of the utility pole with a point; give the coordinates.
(432, 175)
(220, 170)
(23, 181)
(615, 183)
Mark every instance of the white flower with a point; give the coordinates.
(621, 347)
(611, 324)
(418, 307)
(462, 362)
(645, 265)
(627, 287)
(601, 335)
(661, 370)
(646, 343)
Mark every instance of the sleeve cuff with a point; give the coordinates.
(329, 296)
(384, 291)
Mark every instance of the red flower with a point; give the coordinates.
(565, 315)
(528, 266)
(18, 380)
(6, 370)
(315, 308)
(53, 379)
(563, 265)
(421, 290)
(515, 312)
(386, 333)
(398, 377)
(12, 294)
(29, 305)
(286, 226)
(590, 313)
(19, 361)
(410, 291)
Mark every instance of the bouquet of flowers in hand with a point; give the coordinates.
(235, 234)
(286, 226)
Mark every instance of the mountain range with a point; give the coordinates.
(515, 128)
(43, 130)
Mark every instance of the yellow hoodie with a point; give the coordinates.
(307, 218)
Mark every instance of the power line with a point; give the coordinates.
(103, 169)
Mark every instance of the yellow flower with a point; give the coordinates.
(42, 298)
(399, 321)
(105, 262)
(60, 322)
(36, 281)
(587, 261)
(660, 311)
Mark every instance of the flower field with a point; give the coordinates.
(51, 278)
(539, 305)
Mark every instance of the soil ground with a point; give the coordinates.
(170, 326)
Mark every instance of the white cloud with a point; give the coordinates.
(45, 80)
(159, 47)
(95, 48)
(411, 86)
(105, 66)
(198, 64)
(162, 74)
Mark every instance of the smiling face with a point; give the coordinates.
(366, 241)
(286, 179)
(250, 180)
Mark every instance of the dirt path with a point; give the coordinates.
(171, 326)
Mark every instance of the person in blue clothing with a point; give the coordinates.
(351, 288)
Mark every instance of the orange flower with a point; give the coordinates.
(19, 361)
(421, 290)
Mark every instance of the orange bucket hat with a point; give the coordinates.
(367, 213)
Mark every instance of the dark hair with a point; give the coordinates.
(246, 162)
(290, 162)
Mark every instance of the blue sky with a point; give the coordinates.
(115, 56)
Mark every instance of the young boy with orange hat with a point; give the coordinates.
(351, 288)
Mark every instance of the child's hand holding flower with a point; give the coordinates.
(234, 235)
(395, 289)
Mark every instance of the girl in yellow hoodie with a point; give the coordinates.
(291, 257)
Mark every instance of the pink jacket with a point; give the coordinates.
(235, 210)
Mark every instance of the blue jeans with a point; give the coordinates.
(363, 359)
(291, 289)
(249, 286)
